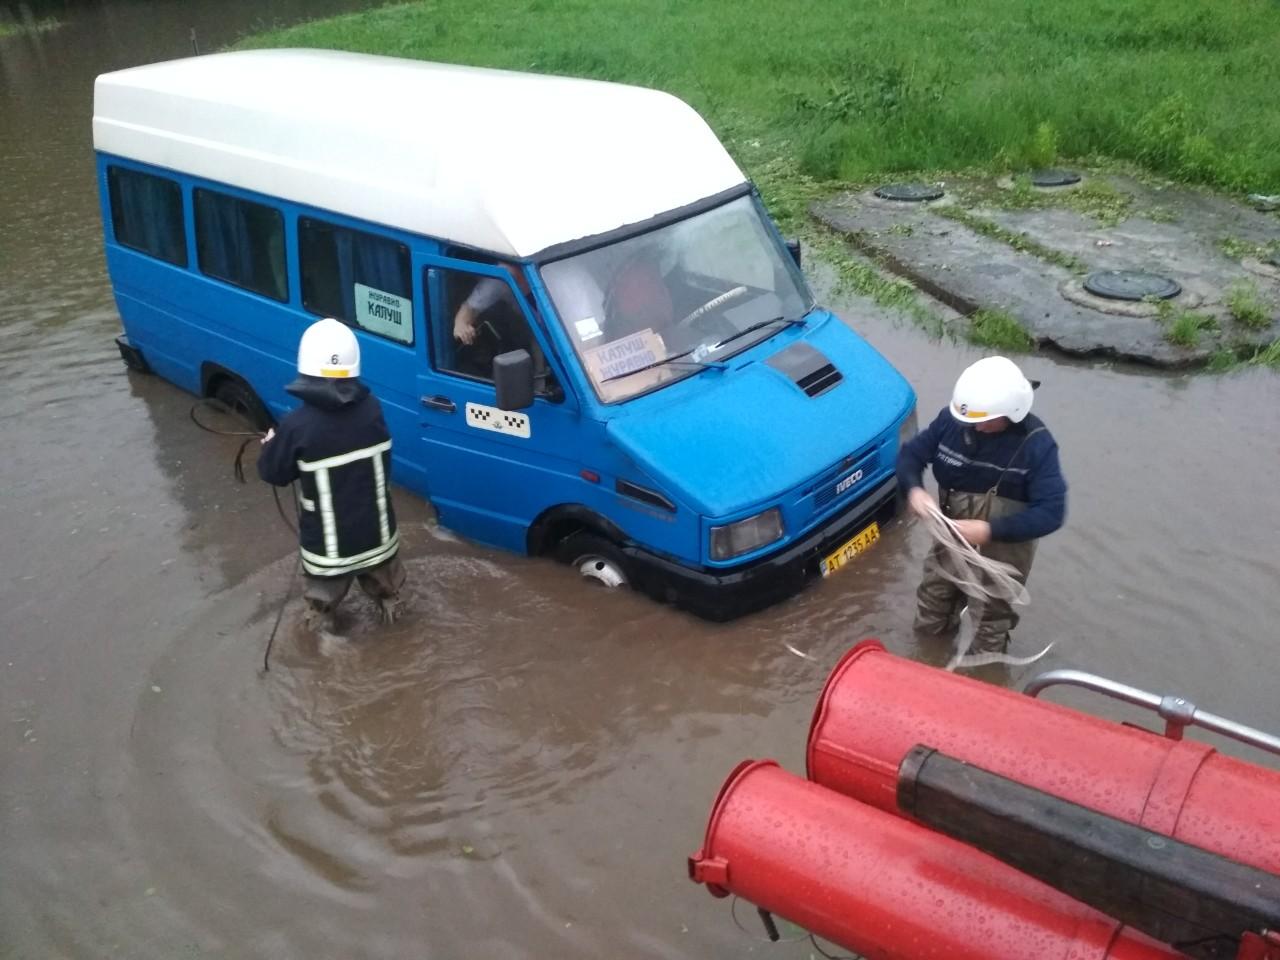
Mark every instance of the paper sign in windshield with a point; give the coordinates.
(624, 356)
(384, 313)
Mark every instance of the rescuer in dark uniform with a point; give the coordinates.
(998, 479)
(337, 448)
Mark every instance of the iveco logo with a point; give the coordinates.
(848, 482)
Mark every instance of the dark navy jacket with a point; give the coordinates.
(966, 460)
(336, 445)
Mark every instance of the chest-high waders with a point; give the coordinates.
(939, 601)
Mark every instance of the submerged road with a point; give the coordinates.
(519, 767)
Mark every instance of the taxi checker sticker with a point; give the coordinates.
(499, 421)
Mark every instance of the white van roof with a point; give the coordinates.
(508, 162)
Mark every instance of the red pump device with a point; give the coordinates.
(914, 772)
(876, 707)
(888, 888)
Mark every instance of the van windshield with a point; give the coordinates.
(693, 292)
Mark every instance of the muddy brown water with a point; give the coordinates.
(520, 767)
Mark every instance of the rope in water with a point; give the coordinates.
(979, 578)
(238, 469)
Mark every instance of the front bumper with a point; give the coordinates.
(718, 594)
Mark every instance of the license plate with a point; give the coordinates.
(858, 543)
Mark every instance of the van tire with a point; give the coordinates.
(239, 397)
(595, 559)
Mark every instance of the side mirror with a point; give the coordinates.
(794, 247)
(513, 379)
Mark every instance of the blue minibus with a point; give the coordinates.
(589, 339)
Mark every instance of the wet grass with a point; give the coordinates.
(1229, 359)
(1247, 305)
(888, 86)
(1238, 249)
(855, 275)
(1094, 198)
(13, 28)
(843, 95)
(1186, 328)
(1268, 356)
(1183, 328)
(1015, 240)
(1000, 330)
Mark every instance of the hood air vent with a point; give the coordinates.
(806, 368)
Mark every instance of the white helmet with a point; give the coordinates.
(992, 387)
(329, 349)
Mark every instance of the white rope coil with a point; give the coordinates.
(979, 578)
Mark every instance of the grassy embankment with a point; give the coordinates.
(817, 95)
(9, 28)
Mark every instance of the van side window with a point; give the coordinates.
(483, 317)
(241, 242)
(146, 214)
(356, 277)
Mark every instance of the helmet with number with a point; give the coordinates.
(329, 349)
(993, 387)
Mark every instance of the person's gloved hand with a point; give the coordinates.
(270, 433)
(921, 501)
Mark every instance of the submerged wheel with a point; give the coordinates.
(595, 559)
(239, 397)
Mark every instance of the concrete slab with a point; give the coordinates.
(1175, 232)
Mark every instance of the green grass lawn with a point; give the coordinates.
(837, 90)
(10, 28)
(813, 95)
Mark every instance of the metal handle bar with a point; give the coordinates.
(1177, 712)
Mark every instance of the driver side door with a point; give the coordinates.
(490, 471)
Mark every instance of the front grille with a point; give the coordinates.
(827, 493)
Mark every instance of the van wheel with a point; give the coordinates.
(595, 558)
(239, 397)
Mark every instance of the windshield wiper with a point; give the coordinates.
(758, 326)
(674, 358)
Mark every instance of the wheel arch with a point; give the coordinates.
(214, 375)
(556, 523)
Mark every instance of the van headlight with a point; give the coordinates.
(910, 427)
(735, 539)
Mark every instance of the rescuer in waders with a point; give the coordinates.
(337, 448)
(998, 478)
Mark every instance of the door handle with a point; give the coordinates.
(443, 404)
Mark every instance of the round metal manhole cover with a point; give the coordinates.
(1054, 178)
(1130, 285)
(909, 192)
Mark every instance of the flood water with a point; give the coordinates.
(520, 767)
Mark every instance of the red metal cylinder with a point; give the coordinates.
(885, 887)
(876, 706)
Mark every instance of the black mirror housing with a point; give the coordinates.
(513, 379)
(794, 247)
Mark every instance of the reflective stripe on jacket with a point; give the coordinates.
(337, 449)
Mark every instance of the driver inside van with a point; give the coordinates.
(492, 321)
(488, 293)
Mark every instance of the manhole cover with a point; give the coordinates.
(1130, 285)
(1054, 178)
(909, 192)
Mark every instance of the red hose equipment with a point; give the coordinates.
(888, 888)
(877, 706)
